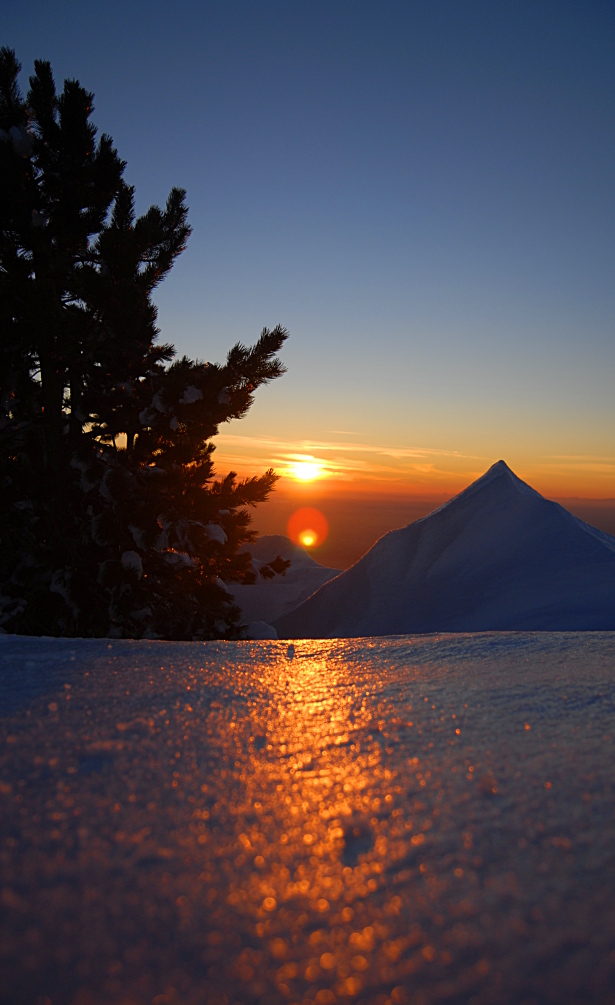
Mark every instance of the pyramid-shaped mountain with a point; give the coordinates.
(497, 557)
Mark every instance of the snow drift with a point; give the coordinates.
(497, 557)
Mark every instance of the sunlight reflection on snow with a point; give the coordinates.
(370, 821)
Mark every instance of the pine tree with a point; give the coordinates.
(111, 519)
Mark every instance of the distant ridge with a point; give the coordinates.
(496, 557)
(270, 598)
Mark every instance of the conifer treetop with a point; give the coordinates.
(113, 521)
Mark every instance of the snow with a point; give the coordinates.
(260, 631)
(419, 819)
(215, 533)
(190, 395)
(268, 599)
(179, 558)
(146, 416)
(138, 536)
(60, 584)
(496, 557)
(132, 560)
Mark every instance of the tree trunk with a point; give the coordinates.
(53, 380)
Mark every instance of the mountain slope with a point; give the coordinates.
(497, 557)
(267, 599)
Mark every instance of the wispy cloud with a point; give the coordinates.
(348, 466)
(313, 447)
(570, 464)
(344, 461)
(582, 458)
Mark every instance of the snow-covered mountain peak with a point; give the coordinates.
(497, 557)
(500, 475)
(501, 471)
(490, 491)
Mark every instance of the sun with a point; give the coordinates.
(305, 469)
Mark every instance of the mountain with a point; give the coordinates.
(497, 557)
(267, 599)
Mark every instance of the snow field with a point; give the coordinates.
(407, 819)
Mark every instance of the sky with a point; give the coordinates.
(422, 193)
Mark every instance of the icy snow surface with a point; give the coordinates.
(419, 819)
(497, 557)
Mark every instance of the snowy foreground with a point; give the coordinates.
(422, 820)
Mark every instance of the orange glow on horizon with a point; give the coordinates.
(325, 468)
(308, 527)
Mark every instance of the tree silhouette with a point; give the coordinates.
(111, 519)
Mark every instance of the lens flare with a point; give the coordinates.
(308, 527)
(308, 538)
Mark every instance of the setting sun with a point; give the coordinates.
(306, 469)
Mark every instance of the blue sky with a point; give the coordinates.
(421, 192)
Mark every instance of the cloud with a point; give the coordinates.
(326, 446)
(585, 464)
(357, 462)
